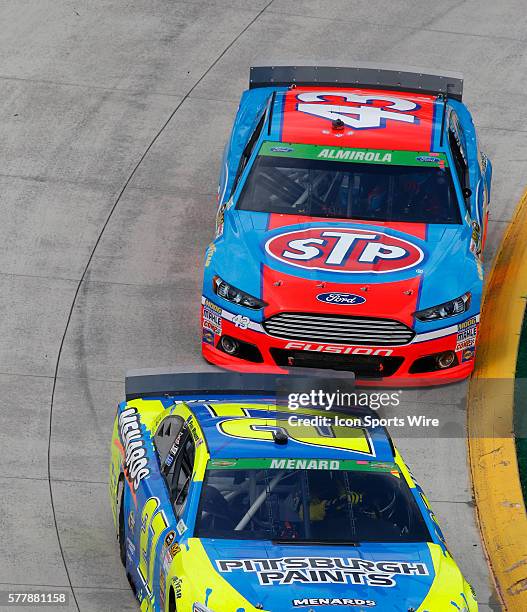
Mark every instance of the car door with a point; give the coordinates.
(177, 461)
(463, 145)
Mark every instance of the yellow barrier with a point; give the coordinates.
(492, 451)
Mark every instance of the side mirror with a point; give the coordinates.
(467, 192)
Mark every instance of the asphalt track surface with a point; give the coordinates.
(113, 116)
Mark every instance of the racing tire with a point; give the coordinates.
(172, 601)
(121, 536)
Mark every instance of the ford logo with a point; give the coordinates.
(343, 299)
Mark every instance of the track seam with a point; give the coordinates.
(88, 263)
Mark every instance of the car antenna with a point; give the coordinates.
(279, 436)
(443, 120)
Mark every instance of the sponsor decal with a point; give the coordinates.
(222, 463)
(468, 354)
(466, 334)
(355, 155)
(337, 348)
(343, 299)
(162, 586)
(465, 344)
(131, 521)
(175, 549)
(174, 448)
(324, 570)
(472, 322)
(135, 458)
(344, 250)
(212, 320)
(333, 601)
(212, 306)
(193, 430)
(360, 111)
(169, 538)
(475, 239)
(208, 336)
(169, 550)
(176, 583)
(304, 464)
(181, 527)
(428, 159)
(130, 545)
(209, 254)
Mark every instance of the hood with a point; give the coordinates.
(345, 267)
(302, 577)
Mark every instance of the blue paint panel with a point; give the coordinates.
(407, 592)
(222, 446)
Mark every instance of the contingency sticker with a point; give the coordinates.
(466, 334)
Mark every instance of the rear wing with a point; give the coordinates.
(448, 84)
(156, 383)
(148, 383)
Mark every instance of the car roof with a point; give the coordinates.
(298, 118)
(240, 429)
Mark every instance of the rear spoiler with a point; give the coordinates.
(448, 84)
(159, 382)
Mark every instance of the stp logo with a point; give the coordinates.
(348, 250)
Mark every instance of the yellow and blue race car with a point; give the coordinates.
(224, 502)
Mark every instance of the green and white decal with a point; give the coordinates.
(360, 156)
(302, 464)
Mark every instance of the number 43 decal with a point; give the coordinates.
(241, 322)
(362, 116)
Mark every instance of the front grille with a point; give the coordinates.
(363, 366)
(335, 329)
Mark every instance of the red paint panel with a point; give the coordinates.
(393, 300)
(374, 119)
(412, 229)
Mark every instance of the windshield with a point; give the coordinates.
(386, 186)
(295, 500)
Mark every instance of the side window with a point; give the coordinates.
(180, 474)
(460, 160)
(165, 437)
(248, 150)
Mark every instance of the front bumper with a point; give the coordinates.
(410, 364)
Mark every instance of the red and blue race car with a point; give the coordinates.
(353, 208)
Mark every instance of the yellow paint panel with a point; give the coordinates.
(341, 437)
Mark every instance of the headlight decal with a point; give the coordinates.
(236, 296)
(451, 308)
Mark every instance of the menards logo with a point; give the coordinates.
(305, 464)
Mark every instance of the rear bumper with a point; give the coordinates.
(379, 365)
